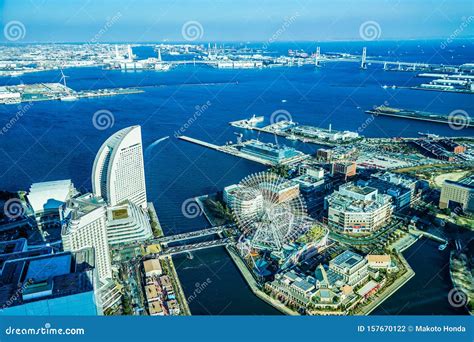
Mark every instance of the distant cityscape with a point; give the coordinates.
(318, 232)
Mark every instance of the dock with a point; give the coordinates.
(229, 149)
(276, 130)
(414, 115)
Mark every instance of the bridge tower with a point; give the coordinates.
(363, 63)
(316, 58)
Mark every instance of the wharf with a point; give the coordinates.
(289, 136)
(414, 115)
(229, 149)
(459, 91)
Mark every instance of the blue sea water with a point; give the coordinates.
(57, 140)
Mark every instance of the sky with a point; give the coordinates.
(234, 20)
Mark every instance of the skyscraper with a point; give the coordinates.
(85, 226)
(118, 173)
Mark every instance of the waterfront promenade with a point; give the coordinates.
(254, 286)
(383, 295)
(180, 296)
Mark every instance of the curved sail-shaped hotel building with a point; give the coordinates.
(118, 173)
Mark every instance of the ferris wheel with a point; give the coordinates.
(269, 211)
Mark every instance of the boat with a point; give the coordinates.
(429, 135)
(68, 98)
(254, 120)
(442, 247)
(292, 137)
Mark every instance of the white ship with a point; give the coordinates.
(68, 98)
(254, 120)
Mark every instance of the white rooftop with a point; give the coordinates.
(50, 195)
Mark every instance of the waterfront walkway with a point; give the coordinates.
(252, 283)
(386, 292)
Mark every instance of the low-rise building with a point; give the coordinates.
(46, 199)
(249, 202)
(458, 194)
(351, 266)
(358, 209)
(379, 261)
(345, 168)
(401, 188)
(151, 293)
(155, 309)
(152, 268)
(284, 191)
(295, 288)
(324, 154)
(310, 170)
(273, 153)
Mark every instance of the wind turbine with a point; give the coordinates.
(63, 78)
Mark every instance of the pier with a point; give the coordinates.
(229, 149)
(291, 133)
(415, 115)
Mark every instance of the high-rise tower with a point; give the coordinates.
(118, 173)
